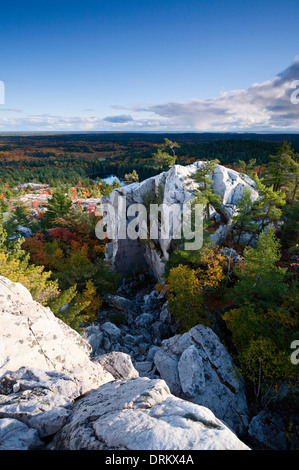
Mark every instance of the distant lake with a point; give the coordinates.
(111, 178)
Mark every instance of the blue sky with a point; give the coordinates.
(149, 65)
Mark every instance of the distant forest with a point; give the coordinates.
(68, 158)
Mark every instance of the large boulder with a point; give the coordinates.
(44, 367)
(277, 427)
(43, 400)
(31, 336)
(197, 367)
(141, 414)
(118, 364)
(175, 186)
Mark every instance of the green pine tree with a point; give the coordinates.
(162, 158)
(283, 167)
(206, 195)
(243, 218)
(267, 208)
(260, 280)
(58, 206)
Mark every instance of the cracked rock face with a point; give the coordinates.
(141, 414)
(32, 336)
(177, 187)
(197, 367)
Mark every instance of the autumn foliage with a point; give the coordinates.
(187, 287)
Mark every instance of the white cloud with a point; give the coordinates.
(262, 107)
(120, 119)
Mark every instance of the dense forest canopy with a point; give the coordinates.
(50, 158)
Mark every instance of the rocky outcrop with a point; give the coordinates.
(142, 414)
(32, 336)
(197, 367)
(42, 400)
(175, 186)
(44, 367)
(52, 391)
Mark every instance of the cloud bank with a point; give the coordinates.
(119, 119)
(269, 106)
(265, 106)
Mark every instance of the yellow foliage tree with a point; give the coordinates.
(94, 301)
(186, 287)
(211, 271)
(185, 298)
(15, 266)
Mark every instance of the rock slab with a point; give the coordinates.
(197, 367)
(141, 414)
(32, 336)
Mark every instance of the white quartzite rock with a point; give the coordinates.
(268, 430)
(191, 372)
(37, 398)
(44, 364)
(32, 336)
(118, 364)
(179, 188)
(141, 414)
(15, 435)
(45, 367)
(197, 367)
